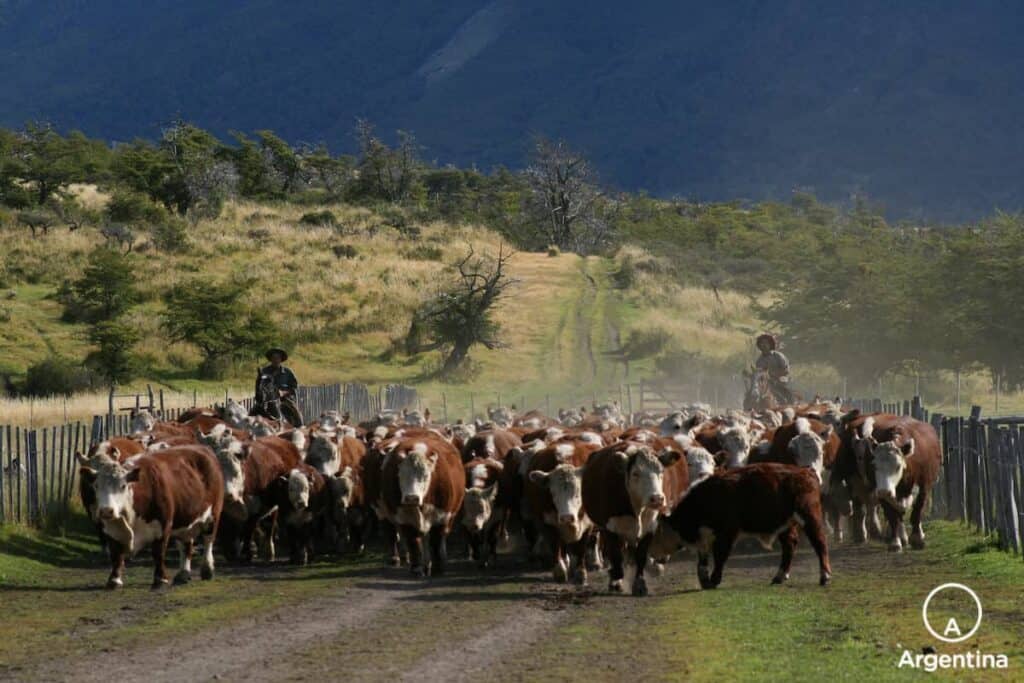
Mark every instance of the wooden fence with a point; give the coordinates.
(38, 469)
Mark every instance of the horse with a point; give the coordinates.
(759, 395)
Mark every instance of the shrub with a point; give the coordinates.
(553, 250)
(57, 376)
(171, 235)
(131, 207)
(323, 218)
(344, 251)
(424, 253)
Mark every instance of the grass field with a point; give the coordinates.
(513, 624)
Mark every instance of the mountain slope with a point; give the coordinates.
(913, 104)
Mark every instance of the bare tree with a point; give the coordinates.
(564, 198)
(460, 316)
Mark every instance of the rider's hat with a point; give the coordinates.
(281, 352)
(770, 338)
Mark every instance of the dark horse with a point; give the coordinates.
(759, 395)
(268, 400)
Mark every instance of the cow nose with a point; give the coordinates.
(106, 513)
(411, 500)
(566, 519)
(657, 500)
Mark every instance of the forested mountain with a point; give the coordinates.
(913, 104)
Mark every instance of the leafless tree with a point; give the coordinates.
(565, 200)
(460, 316)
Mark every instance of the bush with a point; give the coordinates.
(344, 251)
(131, 207)
(424, 253)
(324, 219)
(553, 250)
(171, 235)
(57, 376)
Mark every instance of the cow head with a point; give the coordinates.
(235, 414)
(477, 507)
(570, 417)
(256, 426)
(501, 416)
(323, 455)
(890, 460)
(143, 422)
(111, 482)
(463, 431)
(565, 484)
(231, 454)
(735, 441)
(343, 488)
(674, 423)
(644, 474)
(863, 443)
(808, 448)
(298, 489)
(700, 465)
(414, 472)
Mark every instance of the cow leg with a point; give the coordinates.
(116, 579)
(184, 575)
(560, 570)
(206, 573)
(438, 551)
(640, 555)
(614, 550)
(414, 541)
(356, 543)
(391, 538)
(160, 559)
(874, 530)
(858, 522)
(721, 548)
(577, 560)
(594, 559)
(788, 540)
(895, 521)
(531, 535)
(474, 541)
(493, 533)
(917, 531)
(815, 532)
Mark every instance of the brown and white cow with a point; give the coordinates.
(553, 497)
(250, 468)
(339, 458)
(900, 465)
(625, 488)
(174, 493)
(483, 518)
(422, 486)
(767, 500)
(302, 498)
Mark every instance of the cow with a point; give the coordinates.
(175, 493)
(767, 500)
(553, 497)
(903, 464)
(625, 487)
(302, 497)
(422, 488)
(493, 444)
(249, 469)
(340, 461)
(482, 519)
(533, 419)
(118, 449)
(731, 444)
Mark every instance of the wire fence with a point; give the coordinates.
(38, 471)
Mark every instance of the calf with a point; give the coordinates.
(340, 460)
(302, 498)
(554, 502)
(175, 493)
(422, 487)
(482, 519)
(625, 488)
(768, 500)
(490, 444)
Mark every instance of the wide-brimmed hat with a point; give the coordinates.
(770, 338)
(281, 352)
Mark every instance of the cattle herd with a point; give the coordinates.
(590, 489)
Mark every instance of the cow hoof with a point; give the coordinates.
(615, 586)
(706, 584)
(159, 585)
(639, 587)
(114, 584)
(917, 542)
(580, 577)
(394, 561)
(825, 580)
(206, 573)
(418, 572)
(779, 578)
(657, 568)
(181, 578)
(559, 574)
(896, 547)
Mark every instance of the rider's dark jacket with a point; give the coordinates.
(775, 363)
(284, 379)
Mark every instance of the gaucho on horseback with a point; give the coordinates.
(276, 388)
(772, 367)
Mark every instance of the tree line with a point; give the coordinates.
(842, 284)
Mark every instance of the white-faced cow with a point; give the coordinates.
(422, 487)
(766, 500)
(174, 493)
(625, 488)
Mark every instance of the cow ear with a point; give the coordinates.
(347, 472)
(668, 457)
(827, 433)
(114, 453)
(82, 460)
(283, 478)
(132, 476)
(908, 447)
(538, 477)
(792, 447)
(432, 458)
(491, 492)
(85, 469)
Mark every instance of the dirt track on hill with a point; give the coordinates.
(385, 625)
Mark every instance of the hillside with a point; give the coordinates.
(570, 324)
(911, 104)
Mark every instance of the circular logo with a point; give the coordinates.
(951, 626)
